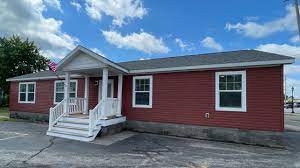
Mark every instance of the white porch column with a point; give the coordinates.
(104, 91)
(86, 93)
(104, 83)
(66, 91)
(120, 84)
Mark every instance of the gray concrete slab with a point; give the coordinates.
(35, 149)
(292, 121)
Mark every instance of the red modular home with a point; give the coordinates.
(237, 90)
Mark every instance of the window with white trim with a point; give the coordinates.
(59, 90)
(27, 92)
(231, 91)
(142, 91)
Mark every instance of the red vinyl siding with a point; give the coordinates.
(44, 96)
(185, 97)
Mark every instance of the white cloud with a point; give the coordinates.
(257, 30)
(292, 69)
(251, 18)
(96, 50)
(76, 5)
(183, 45)
(144, 58)
(54, 3)
(140, 41)
(209, 42)
(25, 18)
(283, 49)
(295, 39)
(180, 43)
(291, 82)
(120, 10)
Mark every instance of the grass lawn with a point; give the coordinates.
(4, 111)
(4, 114)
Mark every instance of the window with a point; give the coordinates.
(231, 91)
(142, 91)
(27, 92)
(59, 90)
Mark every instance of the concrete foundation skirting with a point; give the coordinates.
(29, 116)
(111, 129)
(261, 138)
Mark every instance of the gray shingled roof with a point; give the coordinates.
(189, 60)
(204, 59)
(40, 74)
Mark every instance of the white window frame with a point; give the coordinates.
(57, 81)
(26, 92)
(243, 96)
(150, 91)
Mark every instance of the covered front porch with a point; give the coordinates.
(73, 116)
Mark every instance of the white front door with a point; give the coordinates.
(110, 89)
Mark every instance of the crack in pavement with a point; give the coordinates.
(40, 151)
(34, 155)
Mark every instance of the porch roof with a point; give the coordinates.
(231, 59)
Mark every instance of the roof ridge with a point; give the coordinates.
(191, 55)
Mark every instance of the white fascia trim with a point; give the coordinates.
(213, 66)
(44, 78)
(94, 55)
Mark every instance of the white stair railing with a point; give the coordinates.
(94, 116)
(76, 105)
(56, 113)
(104, 109)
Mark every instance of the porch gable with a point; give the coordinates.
(82, 61)
(82, 58)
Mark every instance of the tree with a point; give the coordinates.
(18, 57)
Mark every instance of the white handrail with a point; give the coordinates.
(56, 113)
(94, 116)
(104, 109)
(76, 105)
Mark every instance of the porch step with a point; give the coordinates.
(68, 119)
(76, 127)
(70, 130)
(70, 136)
(72, 125)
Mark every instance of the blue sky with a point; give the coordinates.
(123, 30)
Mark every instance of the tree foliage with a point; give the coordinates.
(18, 57)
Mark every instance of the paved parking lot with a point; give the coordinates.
(292, 120)
(26, 145)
